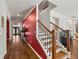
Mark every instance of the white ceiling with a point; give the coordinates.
(44, 4)
(66, 7)
(17, 6)
(21, 16)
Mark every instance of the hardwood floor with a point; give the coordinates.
(60, 55)
(20, 50)
(75, 50)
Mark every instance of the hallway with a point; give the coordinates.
(20, 50)
(38, 29)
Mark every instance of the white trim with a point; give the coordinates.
(45, 50)
(43, 36)
(34, 51)
(10, 29)
(51, 20)
(29, 13)
(43, 41)
(37, 20)
(37, 28)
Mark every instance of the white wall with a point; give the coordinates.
(44, 16)
(3, 12)
(64, 22)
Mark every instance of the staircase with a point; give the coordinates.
(51, 46)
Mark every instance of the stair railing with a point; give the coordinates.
(67, 35)
(50, 34)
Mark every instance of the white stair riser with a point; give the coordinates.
(42, 35)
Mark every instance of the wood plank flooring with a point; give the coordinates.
(20, 50)
(60, 55)
(75, 50)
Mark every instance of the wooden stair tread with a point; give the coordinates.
(49, 43)
(60, 55)
(50, 49)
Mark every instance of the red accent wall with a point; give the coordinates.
(7, 32)
(7, 28)
(30, 24)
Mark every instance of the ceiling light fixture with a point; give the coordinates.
(18, 15)
(69, 21)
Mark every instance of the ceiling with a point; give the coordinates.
(21, 15)
(22, 7)
(44, 4)
(67, 8)
(17, 6)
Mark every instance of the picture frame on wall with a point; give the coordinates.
(2, 21)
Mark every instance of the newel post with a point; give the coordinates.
(53, 45)
(67, 40)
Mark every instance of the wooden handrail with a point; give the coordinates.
(53, 45)
(57, 26)
(67, 36)
(45, 27)
(53, 40)
(68, 41)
